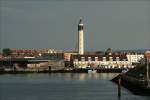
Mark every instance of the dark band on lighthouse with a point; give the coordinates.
(80, 27)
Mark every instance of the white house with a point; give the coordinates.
(135, 58)
(101, 61)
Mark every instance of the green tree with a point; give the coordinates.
(7, 52)
(108, 51)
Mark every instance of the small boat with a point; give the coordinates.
(124, 70)
(92, 71)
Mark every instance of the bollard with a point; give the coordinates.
(119, 87)
(49, 68)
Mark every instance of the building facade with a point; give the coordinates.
(135, 58)
(100, 61)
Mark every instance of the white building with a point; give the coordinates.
(83, 61)
(135, 58)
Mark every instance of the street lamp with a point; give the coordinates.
(147, 53)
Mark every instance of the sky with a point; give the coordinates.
(116, 24)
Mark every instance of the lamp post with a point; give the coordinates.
(147, 69)
(147, 53)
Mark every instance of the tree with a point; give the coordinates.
(108, 51)
(100, 52)
(7, 52)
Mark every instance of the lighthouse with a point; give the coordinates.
(80, 38)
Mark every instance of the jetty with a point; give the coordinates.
(135, 80)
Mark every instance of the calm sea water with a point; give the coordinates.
(68, 86)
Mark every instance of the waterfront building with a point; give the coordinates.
(21, 53)
(51, 64)
(100, 61)
(135, 57)
(67, 55)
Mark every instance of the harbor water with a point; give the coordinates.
(62, 86)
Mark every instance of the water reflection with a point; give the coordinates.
(86, 76)
(62, 86)
(56, 77)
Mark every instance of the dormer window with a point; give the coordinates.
(117, 59)
(75, 60)
(96, 58)
(110, 59)
(124, 59)
(89, 59)
(82, 58)
(104, 58)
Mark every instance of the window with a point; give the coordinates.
(96, 58)
(104, 58)
(117, 58)
(75, 60)
(89, 59)
(110, 59)
(82, 58)
(124, 59)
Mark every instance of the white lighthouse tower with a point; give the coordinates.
(80, 38)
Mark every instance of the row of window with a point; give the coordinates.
(103, 59)
(121, 62)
